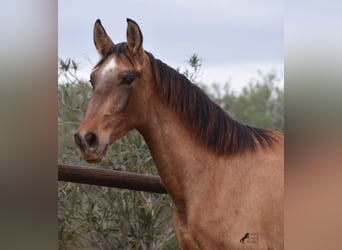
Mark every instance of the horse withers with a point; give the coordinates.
(225, 179)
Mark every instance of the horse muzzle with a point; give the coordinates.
(90, 148)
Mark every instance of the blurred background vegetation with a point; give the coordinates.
(92, 217)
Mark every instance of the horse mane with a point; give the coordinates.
(215, 128)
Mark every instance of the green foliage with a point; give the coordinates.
(195, 64)
(260, 104)
(92, 217)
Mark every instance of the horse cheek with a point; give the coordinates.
(122, 100)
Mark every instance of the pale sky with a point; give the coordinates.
(234, 39)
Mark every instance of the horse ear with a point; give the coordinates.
(134, 39)
(102, 41)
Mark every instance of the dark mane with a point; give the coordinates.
(211, 124)
(119, 50)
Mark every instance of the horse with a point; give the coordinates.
(225, 178)
(246, 236)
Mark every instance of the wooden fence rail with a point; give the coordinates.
(110, 178)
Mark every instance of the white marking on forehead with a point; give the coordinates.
(110, 65)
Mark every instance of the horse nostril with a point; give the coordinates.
(78, 141)
(91, 140)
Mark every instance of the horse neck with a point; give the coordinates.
(176, 152)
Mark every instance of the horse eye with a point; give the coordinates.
(127, 80)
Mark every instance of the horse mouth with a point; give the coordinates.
(94, 160)
(95, 156)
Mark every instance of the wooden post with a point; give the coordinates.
(110, 178)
